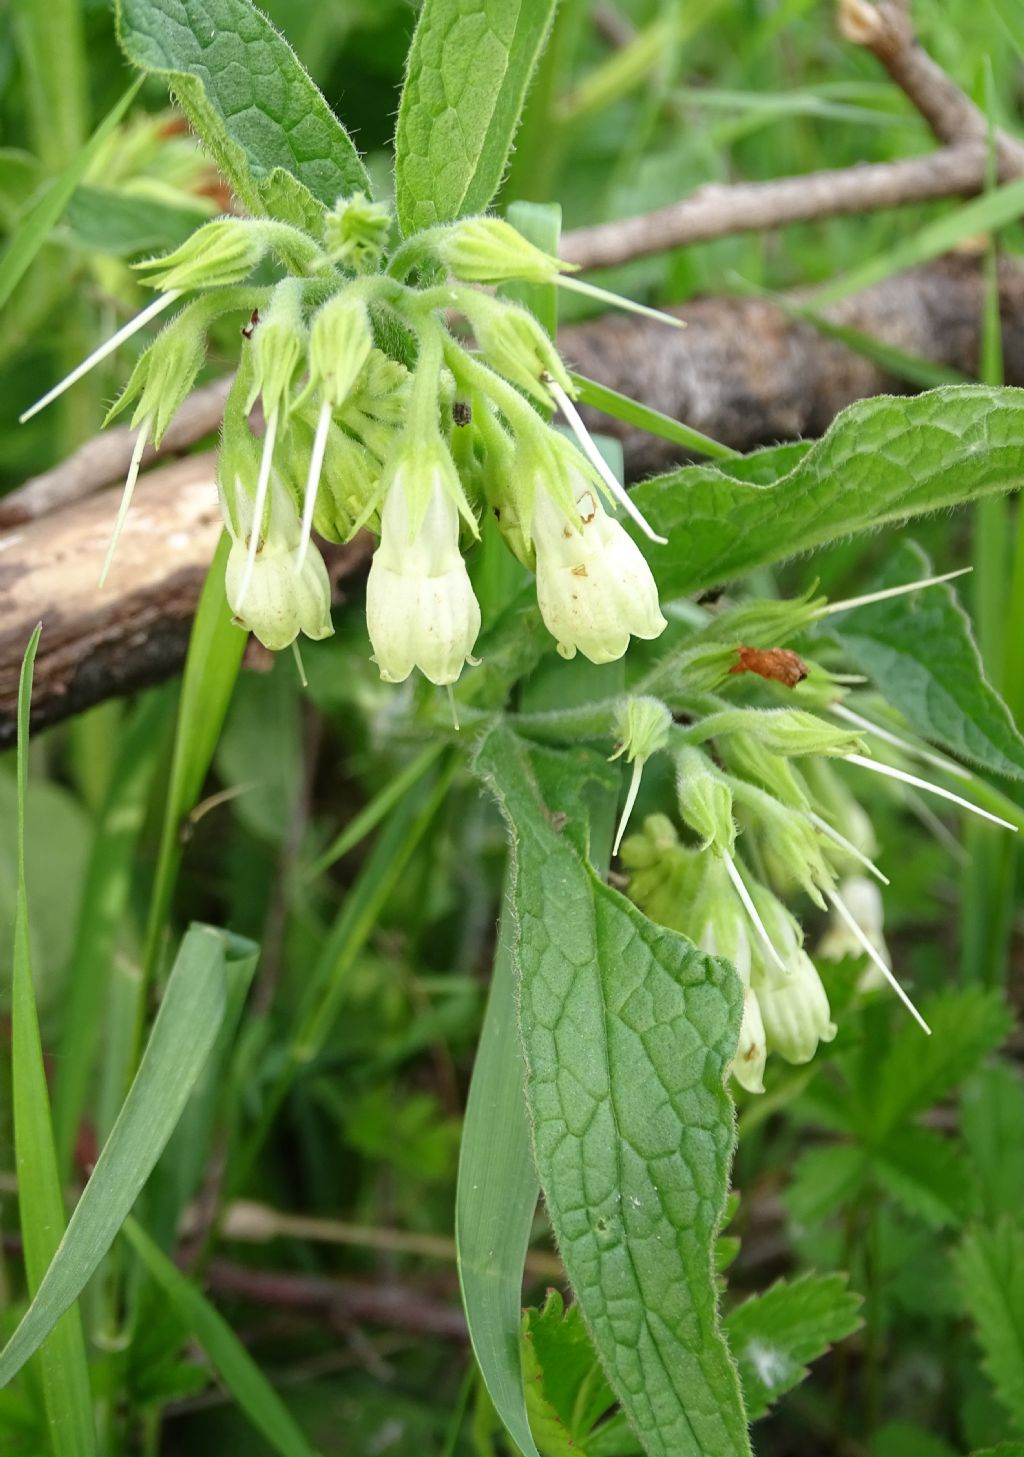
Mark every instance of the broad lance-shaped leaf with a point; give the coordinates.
(990, 1264)
(466, 79)
(627, 1031)
(183, 1034)
(776, 1334)
(919, 651)
(881, 460)
(245, 92)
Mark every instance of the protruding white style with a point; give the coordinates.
(617, 301)
(316, 465)
(904, 778)
(850, 602)
(845, 844)
(916, 751)
(126, 497)
(863, 900)
(859, 935)
(751, 910)
(627, 808)
(597, 460)
(107, 347)
(259, 508)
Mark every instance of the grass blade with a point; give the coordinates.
(621, 407)
(45, 212)
(61, 1363)
(993, 210)
(251, 1390)
(496, 1198)
(185, 1030)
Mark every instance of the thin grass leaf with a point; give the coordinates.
(993, 210)
(61, 1363)
(43, 215)
(621, 407)
(183, 1034)
(496, 1198)
(104, 901)
(252, 1392)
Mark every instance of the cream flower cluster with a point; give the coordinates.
(374, 414)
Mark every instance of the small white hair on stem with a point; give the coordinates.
(858, 932)
(107, 347)
(598, 461)
(751, 910)
(926, 784)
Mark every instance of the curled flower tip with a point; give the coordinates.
(259, 505)
(751, 910)
(126, 497)
(852, 925)
(597, 460)
(890, 773)
(316, 465)
(831, 608)
(107, 347)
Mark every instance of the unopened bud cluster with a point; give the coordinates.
(356, 405)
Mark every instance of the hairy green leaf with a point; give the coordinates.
(990, 1263)
(882, 460)
(628, 1031)
(184, 1031)
(266, 125)
(468, 69)
(126, 225)
(775, 1335)
(919, 650)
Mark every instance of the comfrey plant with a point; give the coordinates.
(388, 380)
(376, 415)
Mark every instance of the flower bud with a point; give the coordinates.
(747, 1067)
(746, 755)
(594, 587)
(164, 375)
(340, 341)
(514, 344)
(356, 232)
(705, 800)
(788, 839)
(219, 253)
(489, 250)
(665, 876)
(278, 344)
(794, 1009)
(420, 608)
(787, 731)
(642, 727)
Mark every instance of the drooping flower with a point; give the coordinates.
(421, 611)
(594, 587)
(794, 1008)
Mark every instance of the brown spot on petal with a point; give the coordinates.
(580, 571)
(780, 665)
(588, 508)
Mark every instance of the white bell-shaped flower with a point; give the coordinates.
(747, 1067)
(794, 1009)
(420, 608)
(594, 587)
(280, 599)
